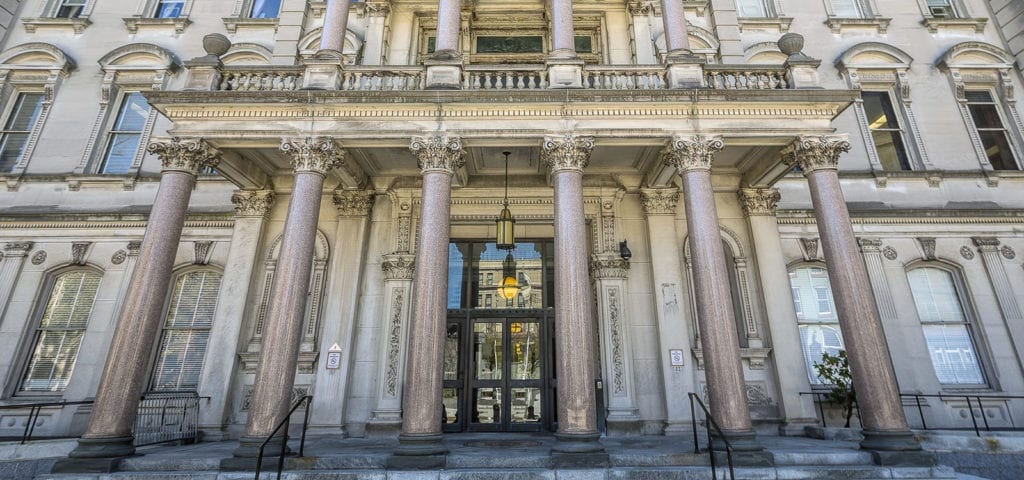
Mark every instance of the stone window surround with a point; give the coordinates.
(995, 77)
(891, 78)
(870, 20)
(145, 17)
(46, 18)
(240, 18)
(962, 19)
(118, 81)
(773, 19)
(974, 328)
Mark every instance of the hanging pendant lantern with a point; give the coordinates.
(506, 237)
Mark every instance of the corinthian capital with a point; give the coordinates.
(187, 155)
(398, 266)
(659, 201)
(566, 152)
(438, 153)
(313, 154)
(816, 152)
(353, 203)
(252, 203)
(17, 249)
(695, 152)
(759, 201)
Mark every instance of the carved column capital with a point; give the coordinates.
(639, 8)
(438, 153)
(759, 201)
(398, 266)
(377, 9)
(17, 249)
(353, 203)
(986, 244)
(608, 266)
(566, 152)
(692, 152)
(252, 203)
(659, 201)
(313, 154)
(187, 155)
(816, 152)
(873, 245)
(134, 247)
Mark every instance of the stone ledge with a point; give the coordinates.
(177, 24)
(77, 25)
(879, 25)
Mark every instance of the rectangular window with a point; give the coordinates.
(60, 332)
(989, 125)
(522, 44)
(124, 136)
(751, 8)
(821, 295)
(70, 8)
(798, 304)
(818, 324)
(847, 8)
(885, 131)
(941, 9)
(169, 8)
(18, 128)
(179, 361)
(945, 327)
(265, 8)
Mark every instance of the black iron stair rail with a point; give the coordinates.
(695, 400)
(286, 422)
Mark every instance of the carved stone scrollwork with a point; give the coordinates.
(609, 266)
(869, 244)
(812, 153)
(78, 252)
(398, 267)
(134, 247)
(313, 154)
(438, 153)
(695, 152)
(967, 253)
(377, 9)
(39, 257)
(759, 201)
(810, 248)
(188, 155)
(253, 203)
(202, 252)
(566, 152)
(353, 203)
(659, 201)
(927, 247)
(17, 249)
(639, 8)
(986, 244)
(118, 257)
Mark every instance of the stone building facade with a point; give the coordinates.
(223, 213)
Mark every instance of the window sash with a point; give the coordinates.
(183, 342)
(265, 9)
(18, 128)
(816, 340)
(847, 8)
(752, 8)
(125, 134)
(169, 8)
(953, 356)
(70, 8)
(988, 123)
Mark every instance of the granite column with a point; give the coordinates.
(449, 25)
(677, 40)
(332, 37)
(884, 424)
(108, 435)
(438, 156)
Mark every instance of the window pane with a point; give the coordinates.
(524, 44)
(169, 9)
(953, 354)
(751, 8)
(985, 115)
(891, 153)
(26, 111)
(978, 96)
(133, 113)
(878, 107)
(997, 148)
(935, 296)
(817, 340)
(10, 150)
(120, 153)
(583, 44)
(265, 8)
(846, 8)
(816, 303)
(186, 331)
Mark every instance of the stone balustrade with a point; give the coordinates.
(376, 78)
(624, 77)
(504, 77)
(745, 77)
(261, 79)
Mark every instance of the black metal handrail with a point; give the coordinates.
(167, 416)
(34, 410)
(711, 444)
(286, 422)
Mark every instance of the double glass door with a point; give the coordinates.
(498, 373)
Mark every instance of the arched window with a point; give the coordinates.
(69, 302)
(946, 326)
(815, 315)
(179, 360)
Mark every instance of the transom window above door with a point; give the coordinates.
(514, 38)
(476, 271)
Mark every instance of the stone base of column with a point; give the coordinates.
(747, 451)
(797, 427)
(897, 449)
(383, 428)
(443, 73)
(419, 452)
(323, 71)
(578, 451)
(96, 455)
(685, 71)
(802, 74)
(565, 73)
(244, 457)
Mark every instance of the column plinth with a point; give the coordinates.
(684, 69)
(311, 158)
(444, 67)
(884, 424)
(108, 435)
(438, 157)
(723, 368)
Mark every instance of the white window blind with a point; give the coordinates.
(186, 331)
(847, 8)
(945, 326)
(60, 332)
(752, 8)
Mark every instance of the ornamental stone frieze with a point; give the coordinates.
(438, 153)
(187, 155)
(869, 245)
(566, 152)
(252, 203)
(353, 203)
(659, 201)
(695, 152)
(759, 201)
(398, 266)
(812, 153)
(313, 154)
(609, 266)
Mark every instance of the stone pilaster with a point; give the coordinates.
(131, 257)
(311, 158)
(759, 208)
(566, 156)
(886, 433)
(727, 397)
(438, 157)
(659, 205)
(108, 436)
(610, 273)
(871, 249)
(1012, 317)
(398, 276)
(251, 210)
(10, 267)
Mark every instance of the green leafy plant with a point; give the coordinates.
(834, 370)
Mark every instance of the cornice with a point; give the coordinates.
(912, 217)
(109, 225)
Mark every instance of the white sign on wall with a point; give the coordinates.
(334, 357)
(675, 357)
